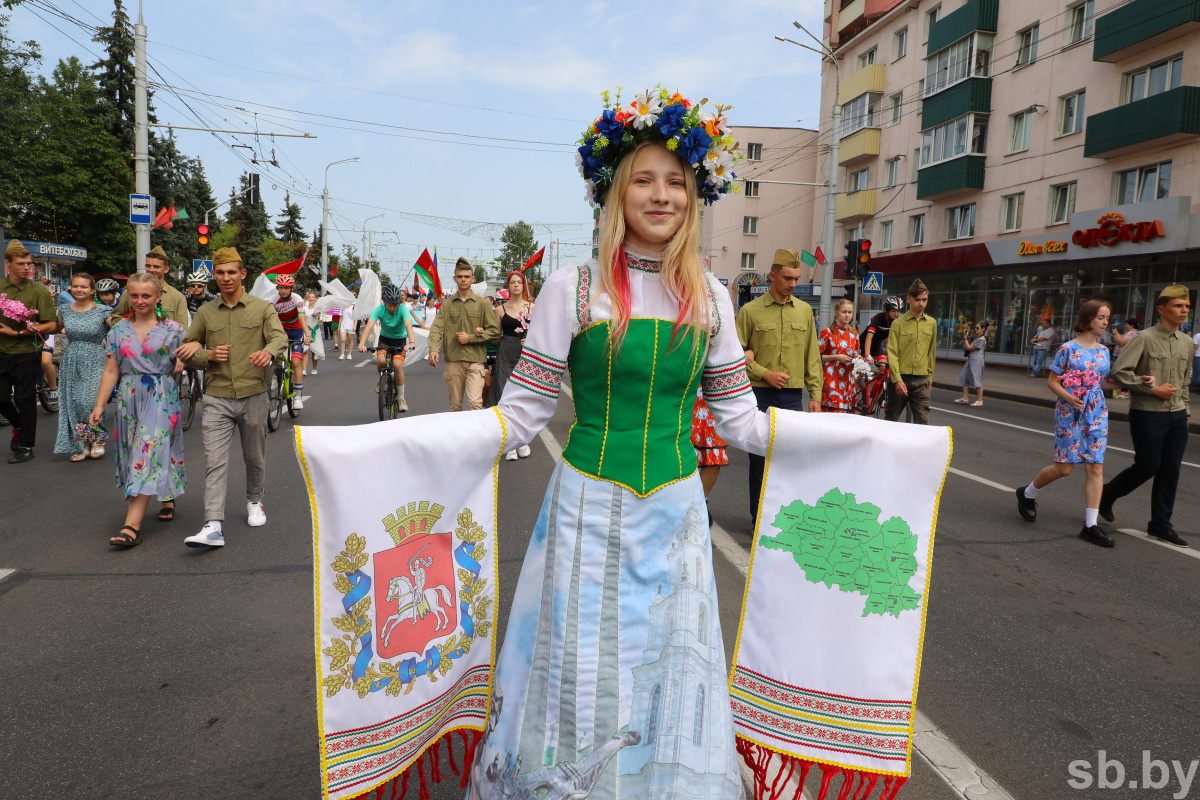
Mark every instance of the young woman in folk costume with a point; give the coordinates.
(612, 680)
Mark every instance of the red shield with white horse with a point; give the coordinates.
(414, 595)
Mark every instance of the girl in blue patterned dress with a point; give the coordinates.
(1078, 377)
(149, 437)
(83, 359)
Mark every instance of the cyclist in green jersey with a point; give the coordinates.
(395, 335)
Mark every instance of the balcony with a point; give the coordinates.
(856, 206)
(975, 15)
(1142, 24)
(850, 16)
(961, 174)
(867, 79)
(973, 94)
(1162, 119)
(860, 146)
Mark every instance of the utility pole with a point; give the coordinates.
(325, 220)
(364, 250)
(141, 144)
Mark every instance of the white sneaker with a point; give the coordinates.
(523, 451)
(511, 455)
(403, 404)
(298, 402)
(255, 516)
(341, 356)
(312, 372)
(209, 536)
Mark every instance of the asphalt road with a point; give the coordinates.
(164, 671)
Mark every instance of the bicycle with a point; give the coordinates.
(191, 390)
(389, 399)
(872, 400)
(43, 395)
(280, 391)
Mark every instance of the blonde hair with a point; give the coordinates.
(841, 301)
(146, 278)
(681, 270)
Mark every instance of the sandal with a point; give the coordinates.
(80, 456)
(167, 513)
(962, 400)
(123, 539)
(98, 451)
(977, 404)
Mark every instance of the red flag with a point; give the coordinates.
(286, 268)
(164, 217)
(820, 256)
(333, 271)
(534, 260)
(426, 271)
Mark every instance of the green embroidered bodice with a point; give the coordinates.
(633, 412)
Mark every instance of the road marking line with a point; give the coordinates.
(971, 477)
(551, 444)
(1033, 430)
(5, 573)
(363, 363)
(965, 778)
(1187, 551)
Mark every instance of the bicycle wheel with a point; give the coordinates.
(290, 394)
(274, 398)
(43, 392)
(879, 407)
(386, 395)
(187, 397)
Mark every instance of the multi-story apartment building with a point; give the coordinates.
(1019, 157)
(742, 232)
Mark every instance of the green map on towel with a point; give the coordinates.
(841, 543)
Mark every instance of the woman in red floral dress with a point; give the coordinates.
(839, 345)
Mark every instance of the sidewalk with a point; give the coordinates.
(1013, 383)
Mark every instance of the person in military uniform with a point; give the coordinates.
(173, 304)
(1156, 368)
(21, 347)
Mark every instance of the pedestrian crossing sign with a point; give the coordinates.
(872, 283)
(202, 264)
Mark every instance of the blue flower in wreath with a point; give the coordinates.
(695, 145)
(590, 162)
(671, 119)
(609, 127)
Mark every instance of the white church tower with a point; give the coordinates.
(678, 705)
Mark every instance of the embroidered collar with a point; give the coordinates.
(642, 264)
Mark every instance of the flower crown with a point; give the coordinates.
(701, 138)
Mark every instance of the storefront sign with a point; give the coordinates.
(43, 250)
(1049, 246)
(1113, 228)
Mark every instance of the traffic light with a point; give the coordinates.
(852, 258)
(202, 239)
(864, 257)
(255, 197)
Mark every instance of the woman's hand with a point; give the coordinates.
(1077, 403)
(97, 415)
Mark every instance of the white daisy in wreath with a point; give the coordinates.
(645, 111)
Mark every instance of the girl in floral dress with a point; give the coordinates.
(149, 438)
(1079, 377)
(83, 359)
(839, 345)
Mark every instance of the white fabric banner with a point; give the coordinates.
(404, 522)
(838, 587)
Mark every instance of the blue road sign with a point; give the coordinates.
(873, 283)
(139, 209)
(200, 264)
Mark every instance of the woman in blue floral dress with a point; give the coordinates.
(79, 373)
(1078, 377)
(149, 438)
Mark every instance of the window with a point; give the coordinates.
(858, 181)
(1070, 113)
(750, 226)
(866, 59)
(1080, 21)
(751, 188)
(1027, 42)
(885, 236)
(964, 135)
(892, 172)
(748, 261)
(1062, 203)
(754, 152)
(960, 222)
(698, 717)
(859, 231)
(916, 229)
(1152, 80)
(916, 164)
(900, 44)
(702, 624)
(961, 60)
(931, 16)
(1018, 127)
(655, 712)
(857, 114)
(920, 95)
(1144, 183)
(897, 107)
(1012, 208)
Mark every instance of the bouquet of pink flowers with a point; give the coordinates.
(16, 311)
(1080, 382)
(90, 435)
(523, 320)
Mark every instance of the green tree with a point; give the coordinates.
(115, 79)
(20, 124)
(289, 229)
(480, 275)
(519, 246)
(252, 224)
(176, 179)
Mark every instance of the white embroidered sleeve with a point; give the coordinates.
(726, 385)
(532, 390)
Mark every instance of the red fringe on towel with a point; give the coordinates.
(397, 787)
(856, 784)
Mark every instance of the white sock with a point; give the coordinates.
(400, 391)
(216, 523)
(1089, 516)
(1031, 491)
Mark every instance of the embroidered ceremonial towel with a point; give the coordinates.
(829, 650)
(404, 524)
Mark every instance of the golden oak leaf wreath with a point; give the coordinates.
(356, 623)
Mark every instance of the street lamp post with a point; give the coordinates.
(364, 250)
(831, 194)
(325, 220)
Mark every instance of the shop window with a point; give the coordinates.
(1018, 128)
(1080, 21)
(1012, 209)
(1070, 113)
(885, 236)
(900, 44)
(748, 261)
(1152, 80)
(1143, 184)
(1027, 42)
(916, 229)
(1062, 203)
(960, 222)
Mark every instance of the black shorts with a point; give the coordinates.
(394, 346)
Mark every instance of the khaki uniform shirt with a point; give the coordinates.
(1164, 354)
(34, 296)
(249, 325)
(783, 337)
(465, 316)
(172, 303)
(911, 347)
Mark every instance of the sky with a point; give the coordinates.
(463, 111)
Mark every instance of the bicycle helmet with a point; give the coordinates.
(285, 280)
(199, 277)
(893, 303)
(106, 285)
(392, 294)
